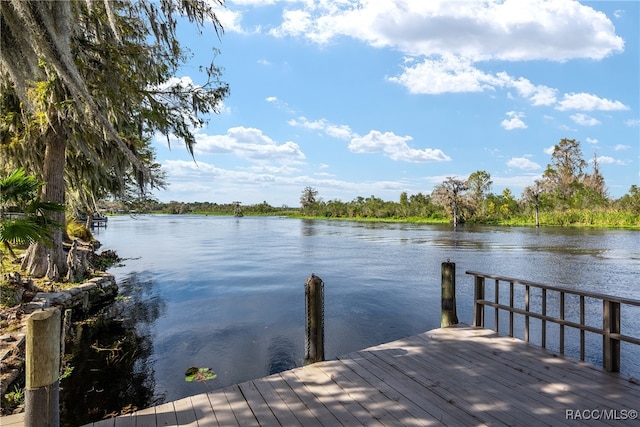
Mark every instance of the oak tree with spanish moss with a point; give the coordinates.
(85, 84)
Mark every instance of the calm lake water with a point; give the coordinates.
(228, 293)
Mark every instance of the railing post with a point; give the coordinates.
(42, 407)
(314, 339)
(448, 299)
(478, 309)
(611, 346)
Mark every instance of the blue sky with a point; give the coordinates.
(370, 97)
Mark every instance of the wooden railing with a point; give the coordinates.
(611, 314)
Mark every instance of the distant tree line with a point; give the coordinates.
(566, 194)
(150, 205)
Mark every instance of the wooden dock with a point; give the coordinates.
(460, 376)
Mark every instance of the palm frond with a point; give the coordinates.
(23, 231)
(18, 187)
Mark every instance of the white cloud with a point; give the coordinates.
(632, 123)
(537, 94)
(306, 123)
(584, 120)
(592, 140)
(250, 144)
(343, 132)
(191, 181)
(295, 23)
(523, 163)
(549, 150)
(253, 2)
(511, 30)
(447, 74)
(514, 121)
(515, 182)
(621, 147)
(339, 131)
(588, 102)
(395, 147)
(279, 104)
(604, 160)
(231, 20)
(455, 74)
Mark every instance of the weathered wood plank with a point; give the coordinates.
(185, 414)
(479, 398)
(319, 411)
(145, 417)
(125, 421)
(374, 402)
(326, 392)
(166, 415)
(452, 376)
(293, 401)
(544, 399)
(404, 409)
(332, 393)
(16, 420)
(241, 409)
(205, 415)
(259, 406)
(525, 363)
(284, 408)
(107, 422)
(447, 409)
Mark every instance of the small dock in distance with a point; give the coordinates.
(453, 376)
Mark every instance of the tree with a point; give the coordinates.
(85, 80)
(404, 204)
(450, 195)
(595, 185)
(565, 171)
(479, 183)
(508, 204)
(308, 199)
(631, 200)
(531, 195)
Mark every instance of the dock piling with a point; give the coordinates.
(314, 339)
(448, 301)
(42, 407)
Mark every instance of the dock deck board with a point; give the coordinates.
(452, 376)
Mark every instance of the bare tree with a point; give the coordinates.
(308, 198)
(531, 195)
(450, 194)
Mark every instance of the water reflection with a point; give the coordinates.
(110, 356)
(281, 353)
(235, 295)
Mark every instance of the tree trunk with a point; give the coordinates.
(455, 214)
(89, 221)
(35, 260)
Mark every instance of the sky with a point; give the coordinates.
(370, 97)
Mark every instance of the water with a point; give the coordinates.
(228, 293)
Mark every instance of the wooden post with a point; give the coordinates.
(314, 340)
(611, 346)
(42, 407)
(478, 308)
(448, 300)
